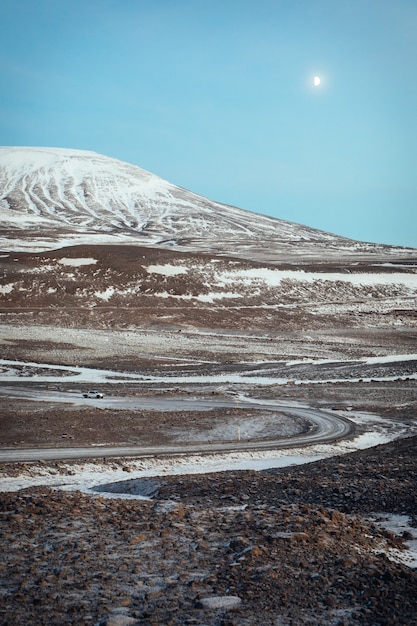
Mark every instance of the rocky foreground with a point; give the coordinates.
(287, 547)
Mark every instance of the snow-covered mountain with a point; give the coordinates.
(52, 197)
(46, 191)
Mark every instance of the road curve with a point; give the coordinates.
(327, 427)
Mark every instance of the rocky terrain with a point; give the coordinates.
(292, 546)
(121, 287)
(111, 277)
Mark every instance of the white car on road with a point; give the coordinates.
(93, 394)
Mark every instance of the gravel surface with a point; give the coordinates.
(290, 546)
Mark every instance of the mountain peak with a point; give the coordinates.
(52, 197)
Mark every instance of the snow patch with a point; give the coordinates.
(167, 270)
(77, 262)
(400, 525)
(6, 288)
(204, 297)
(274, 277)
(105, 295)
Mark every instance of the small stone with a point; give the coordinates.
(119, 617)
(407, 535)
(220, 602)
(120, 620)
(165, 506)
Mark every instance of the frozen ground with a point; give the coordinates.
(198, 321)
(400, 525)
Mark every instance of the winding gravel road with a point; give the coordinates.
(327, 426)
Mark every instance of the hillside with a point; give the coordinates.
(144, 251)
(52, 197)
(122, 286)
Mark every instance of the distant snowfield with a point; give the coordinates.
(275, 277)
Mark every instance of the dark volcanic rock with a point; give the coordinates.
(290, 547)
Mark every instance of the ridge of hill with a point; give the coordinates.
(55, 197)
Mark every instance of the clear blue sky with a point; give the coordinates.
(218, 97)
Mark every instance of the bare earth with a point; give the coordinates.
(292, 546)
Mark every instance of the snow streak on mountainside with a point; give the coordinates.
(89, 192)
(84, 191)
(51, 197)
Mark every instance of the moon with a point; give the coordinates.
(316, 81)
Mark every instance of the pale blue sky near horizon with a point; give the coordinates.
(218, 97)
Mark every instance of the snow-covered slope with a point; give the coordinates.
(52, 197)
